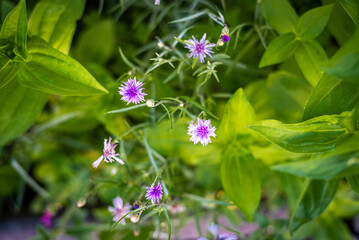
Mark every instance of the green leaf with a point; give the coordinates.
(55, 21)
(101, 46)
(331, 96)
(241, 179)
(312, 23)
(288, 94)
(279, 14)
(315, 198)
(329, 166)
(8, 69)
(315, 135)
(279, 50)
(53, 72)
(19, 109)
(340, 25)
(237, 113)
(14, 30)
(352, 8)
(354, 182)
(345, 62)
(292, 187)
(310, 55)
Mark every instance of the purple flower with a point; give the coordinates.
(200, 49)
(46, 218)
(225, 38)
(154, 193)
(213, 228)
(157, 2)
(131, 91)
(109, 154)
(201, 132)
(119, 210)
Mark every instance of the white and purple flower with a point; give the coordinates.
(154, 193)
(200, 48)
(119, 210)
(109, 154)
(201, 132)
(131, 91)
(157, 2)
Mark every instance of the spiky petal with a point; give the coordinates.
(200, 48)
(131, 91)
(154, 193)
(109, 154)
(201, 132)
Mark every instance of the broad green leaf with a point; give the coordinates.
(5, 7)
(292, 187)
(240, 179)
(354, 182)
(101, 46)
(310, 55)
(54, 72)
(55, 21)
(8, 68)
(14, 30)
(19, 108)
(333, 227)
(237, 113)
(352, 8)
(315, 135)
(314, 199)
(288, 94)
(312, 23)
(340, 25)
(325, 167)
(279, 14)
(331, 96)
(279, 50)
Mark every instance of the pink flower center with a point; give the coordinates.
(202, 131)
(108, 152)
(199, 47)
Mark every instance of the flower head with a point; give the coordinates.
(46, 218)
(131, 91)
(154, 193)
(225, 38)
(109, 154)
(200, 48)
(201, 132)
(157, 2)
(119, 210)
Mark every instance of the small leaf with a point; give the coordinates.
(315, 135)
(279, 50)
(237, 113)
(315, 198)
(309, 56)
(280, 14)
(240, 179)
(53, 72)
(8, 69)
(14, 30)
(312, 23)
(326, 167)
(55, 21)
(197, 105)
